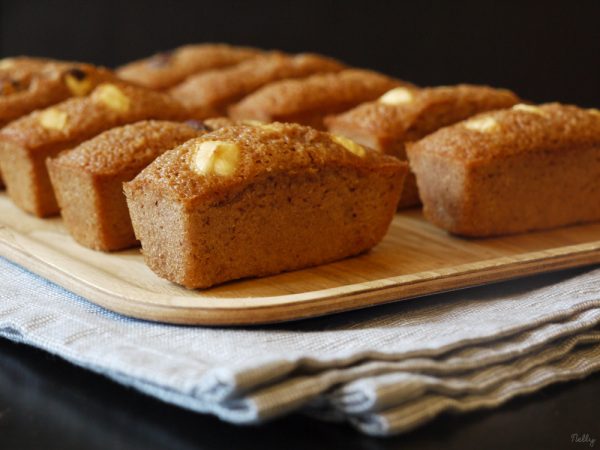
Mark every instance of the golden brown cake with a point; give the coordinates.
(27, 142)
(20, 64)
(88, 180)
(37, 86)
(15, 73)
(209, 94)
(27, 84)
(215, 123)
(511, 171)
(17, 67)
(164, 70)
(309, 100)
(405, 115)
(248, 201)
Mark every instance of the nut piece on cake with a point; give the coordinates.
(309, 100)
(510, 171)
(88, 180)
(405, 115)
(164, 70)
(248, 201)
(26, 143)
(208, 94)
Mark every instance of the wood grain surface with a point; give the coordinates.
(414, 259)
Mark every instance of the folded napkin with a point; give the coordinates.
(386, 370)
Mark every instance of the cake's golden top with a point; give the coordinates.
(220, 164)
(35, 84)
(522, 128)
(215, 123)
(166, 69)
(215, 89)
(76, 119)
(127, 148)
(17, 65)
(327, 93)
(406, 114)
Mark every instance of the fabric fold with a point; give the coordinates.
(385, 369)
(409, 416)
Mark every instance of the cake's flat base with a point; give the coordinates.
(414, 259)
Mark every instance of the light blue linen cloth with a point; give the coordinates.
(385, 370)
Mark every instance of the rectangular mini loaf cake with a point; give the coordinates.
(405, 115)
(33, 84)
(208, 94)
(511, 171)
(26, 143)
(27, 84)
(88, 180)
(164, 70)
(248, 201)
(307, 101)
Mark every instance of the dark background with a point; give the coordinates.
(544, 50)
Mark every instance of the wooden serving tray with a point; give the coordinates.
(414, 259)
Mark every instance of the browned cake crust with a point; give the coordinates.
(405, 115)
(215, 123)
(18, 65)
(309, 100)
(33, 85)
(208, 94)
(27, 142)
(167, 69)
(15, 72)
(511, 171)
(88, 180)
(250, 201)
(27, 84)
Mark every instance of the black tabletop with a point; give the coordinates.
(47, 403)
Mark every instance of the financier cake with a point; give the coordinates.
(26, 143)
(308, 100)
(511, 171)
(27, 84)
(208, 94)
(166, 69)
(88, 180)
(16, 70)
(404, 115)
(35, 84)
(15, 73)
(248, 201)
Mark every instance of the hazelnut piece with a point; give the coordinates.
(78, 82)
(7, 63)
(349, 145)
(528, 109)
(216, 157)
(53, 119)
(482, 124)
(397, 96)
(111, 96)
